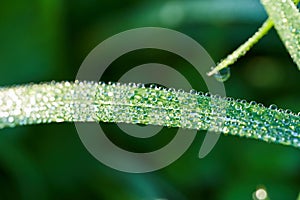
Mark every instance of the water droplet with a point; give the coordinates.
(225, 130)
(11, 119)
(288, 111)
(223, 74)
(286, 121)
(273, 107)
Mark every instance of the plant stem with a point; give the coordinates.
(134, 103)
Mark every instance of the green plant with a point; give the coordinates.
(134, 103)
(286, 18)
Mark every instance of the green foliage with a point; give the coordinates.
(42, 42)
(286, 19)
(287, 22)
(89, 101)
(21, 105)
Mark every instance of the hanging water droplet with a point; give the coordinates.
(223, 74)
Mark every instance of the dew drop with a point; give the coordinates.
(273, 107)
(11, 119)
(286, 121)
(253, 103)
(223, 74)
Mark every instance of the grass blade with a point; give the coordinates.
(286, 19)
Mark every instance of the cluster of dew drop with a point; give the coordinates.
(286, 18)
(87, 101)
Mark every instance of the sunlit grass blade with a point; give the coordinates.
(135, 103)
(286, 18)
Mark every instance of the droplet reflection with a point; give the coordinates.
(223, 75)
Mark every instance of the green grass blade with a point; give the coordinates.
(134, 103)
(242, 50)
(286, 18)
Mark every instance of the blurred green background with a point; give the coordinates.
(43, 40)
